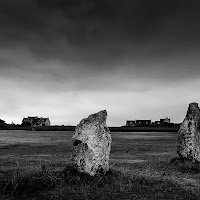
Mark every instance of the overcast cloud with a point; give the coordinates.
(66, 59)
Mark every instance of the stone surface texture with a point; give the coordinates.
(188, 145)
(92, 144)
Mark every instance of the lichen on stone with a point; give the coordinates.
(92, 144)
(188, 144)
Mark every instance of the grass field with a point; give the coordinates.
(36, 165)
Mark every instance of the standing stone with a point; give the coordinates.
(188, 145)
(92, 144)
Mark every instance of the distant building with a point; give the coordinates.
(138, 122)
(166, 123)
(36, 121)
(130, 123)
(162, 123)
(156, 122)
(166, 120)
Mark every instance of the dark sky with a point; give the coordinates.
(66, 59)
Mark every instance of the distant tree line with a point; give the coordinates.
(2, 123)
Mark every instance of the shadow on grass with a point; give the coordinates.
(120, 185)
(26, 181)
(186, 165)
(71, 184)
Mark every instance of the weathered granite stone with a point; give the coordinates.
(188, 145)
(92, 144)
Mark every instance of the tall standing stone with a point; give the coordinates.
(92, 144)
(188, 145)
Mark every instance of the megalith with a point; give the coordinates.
(92, 145)
(188, 144)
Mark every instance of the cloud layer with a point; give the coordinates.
(69, 58)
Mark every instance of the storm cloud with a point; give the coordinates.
(81, 50)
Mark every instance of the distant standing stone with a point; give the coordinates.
(188, 145)
(92, 144)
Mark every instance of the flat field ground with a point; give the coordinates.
(139, 162)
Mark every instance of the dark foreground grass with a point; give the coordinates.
(35, 165)
(186, 165)
(71, 184)
(27, 181)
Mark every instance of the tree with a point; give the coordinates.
(2, 123)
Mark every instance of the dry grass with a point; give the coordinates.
(35, 165)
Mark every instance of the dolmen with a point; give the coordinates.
(92, 145)
(188, 145)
